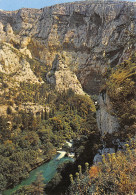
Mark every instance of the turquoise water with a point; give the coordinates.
(48, 170)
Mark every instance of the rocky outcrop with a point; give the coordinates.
(106, 120)
(14, 66)
(76, 42)
(63, 78)
(89, 36)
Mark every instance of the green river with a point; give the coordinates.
(48, 171)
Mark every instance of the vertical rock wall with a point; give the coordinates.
(107, 122)
(88, 35)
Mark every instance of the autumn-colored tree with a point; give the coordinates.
(114, 175)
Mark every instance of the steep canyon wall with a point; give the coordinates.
(88, 36)
(76, 41)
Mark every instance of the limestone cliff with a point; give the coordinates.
(107, 122)
(63, 78)
(89, 36)
(76, 42)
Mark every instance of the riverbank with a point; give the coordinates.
(47, 169)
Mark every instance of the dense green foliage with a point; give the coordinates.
(36, 188)
(28, 135)
(121, 88)
(27, 139)
(26, 92)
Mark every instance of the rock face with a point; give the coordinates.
(64, 79)
(12, 63)
(107, 122)
(76, 42)
(89, 36)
